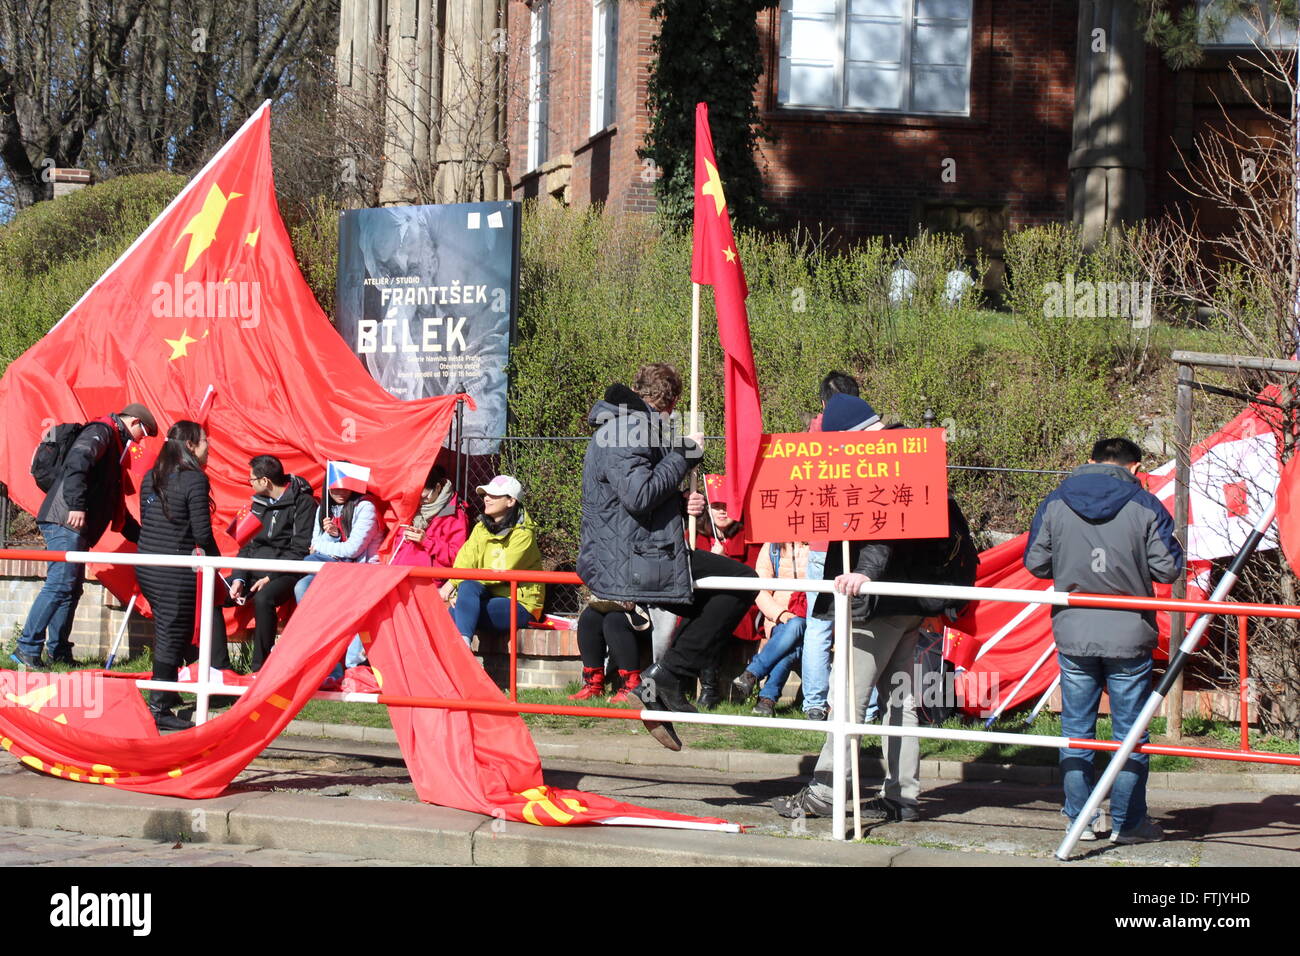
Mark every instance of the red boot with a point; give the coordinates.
(593, 684)
(630, 679)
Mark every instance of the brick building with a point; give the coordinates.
(973, 116)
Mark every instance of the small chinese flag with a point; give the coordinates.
(959, 648)
(715, 262)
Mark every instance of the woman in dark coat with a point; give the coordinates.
(176, 518)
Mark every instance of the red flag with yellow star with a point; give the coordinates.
(207, 316)
(477, 761)
(715, 262)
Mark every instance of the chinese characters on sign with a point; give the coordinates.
(850, 486)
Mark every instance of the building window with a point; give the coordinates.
(897, 56)
(1263, 26)
(539, 82)
(604, 62)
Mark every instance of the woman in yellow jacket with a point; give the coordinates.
(503, 539)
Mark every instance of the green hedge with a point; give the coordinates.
(602, 294)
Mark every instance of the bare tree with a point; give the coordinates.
(1242, 278)
(129, 85)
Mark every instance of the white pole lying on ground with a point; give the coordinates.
(1176, 664)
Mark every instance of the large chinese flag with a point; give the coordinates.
(209, 303)
(482, 762)
(715, 262)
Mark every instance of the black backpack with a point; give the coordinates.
(47, 461)
(953, 560)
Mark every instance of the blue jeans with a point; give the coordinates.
(778, 657)
(50, 620)
(1128, 684)
(356, 654)
(476, 606)
(817, 639)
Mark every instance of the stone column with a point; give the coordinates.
(1107, 161)
(470, 155)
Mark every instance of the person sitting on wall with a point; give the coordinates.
(287, 507)
(504, 539)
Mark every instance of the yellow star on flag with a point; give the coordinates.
(714, 187)
(729, 253)
(180, 347)
(251, 238)
(202, 229)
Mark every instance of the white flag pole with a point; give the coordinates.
(695, 394)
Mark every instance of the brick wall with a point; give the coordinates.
(862, 175)
(96, 623)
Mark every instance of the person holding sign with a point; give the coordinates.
(634, 540)
(885, 632)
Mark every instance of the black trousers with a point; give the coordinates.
(173, 597)
(596, 631)
(277, 590)
(709, 619)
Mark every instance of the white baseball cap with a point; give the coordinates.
(502, 486)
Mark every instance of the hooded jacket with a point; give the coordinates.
(513, 548)
(633, 544)
(1099, 532)
(91, 481)
(287, 525)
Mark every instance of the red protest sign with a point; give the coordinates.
(849, 486)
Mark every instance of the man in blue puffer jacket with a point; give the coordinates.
(1099, 532)
(633, 547)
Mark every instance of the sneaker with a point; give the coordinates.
(766, 707)
(817, 713)
(882, 808)
(29, 663)
(802, 804)
(1148, 831)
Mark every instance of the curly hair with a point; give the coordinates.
(659, 384)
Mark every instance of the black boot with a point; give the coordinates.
(659, 690)
(161, 703)
(710, 696)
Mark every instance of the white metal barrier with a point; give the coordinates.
(842, 728)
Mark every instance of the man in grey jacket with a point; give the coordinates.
(1099, 532)
(633, 548)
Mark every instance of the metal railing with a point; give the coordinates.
(843, 731)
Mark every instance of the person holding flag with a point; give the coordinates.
(633, 540)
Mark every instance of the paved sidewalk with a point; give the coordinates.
(353, 798)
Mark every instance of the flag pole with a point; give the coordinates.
(695, 393)
(1042, 701)
(1177, 661)
(1002, 705)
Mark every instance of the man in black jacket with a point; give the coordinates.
(287, 510)
(86, 498)
(633, 539)
(885, 632)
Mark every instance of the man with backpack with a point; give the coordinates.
(84, 473)
(884, 636)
